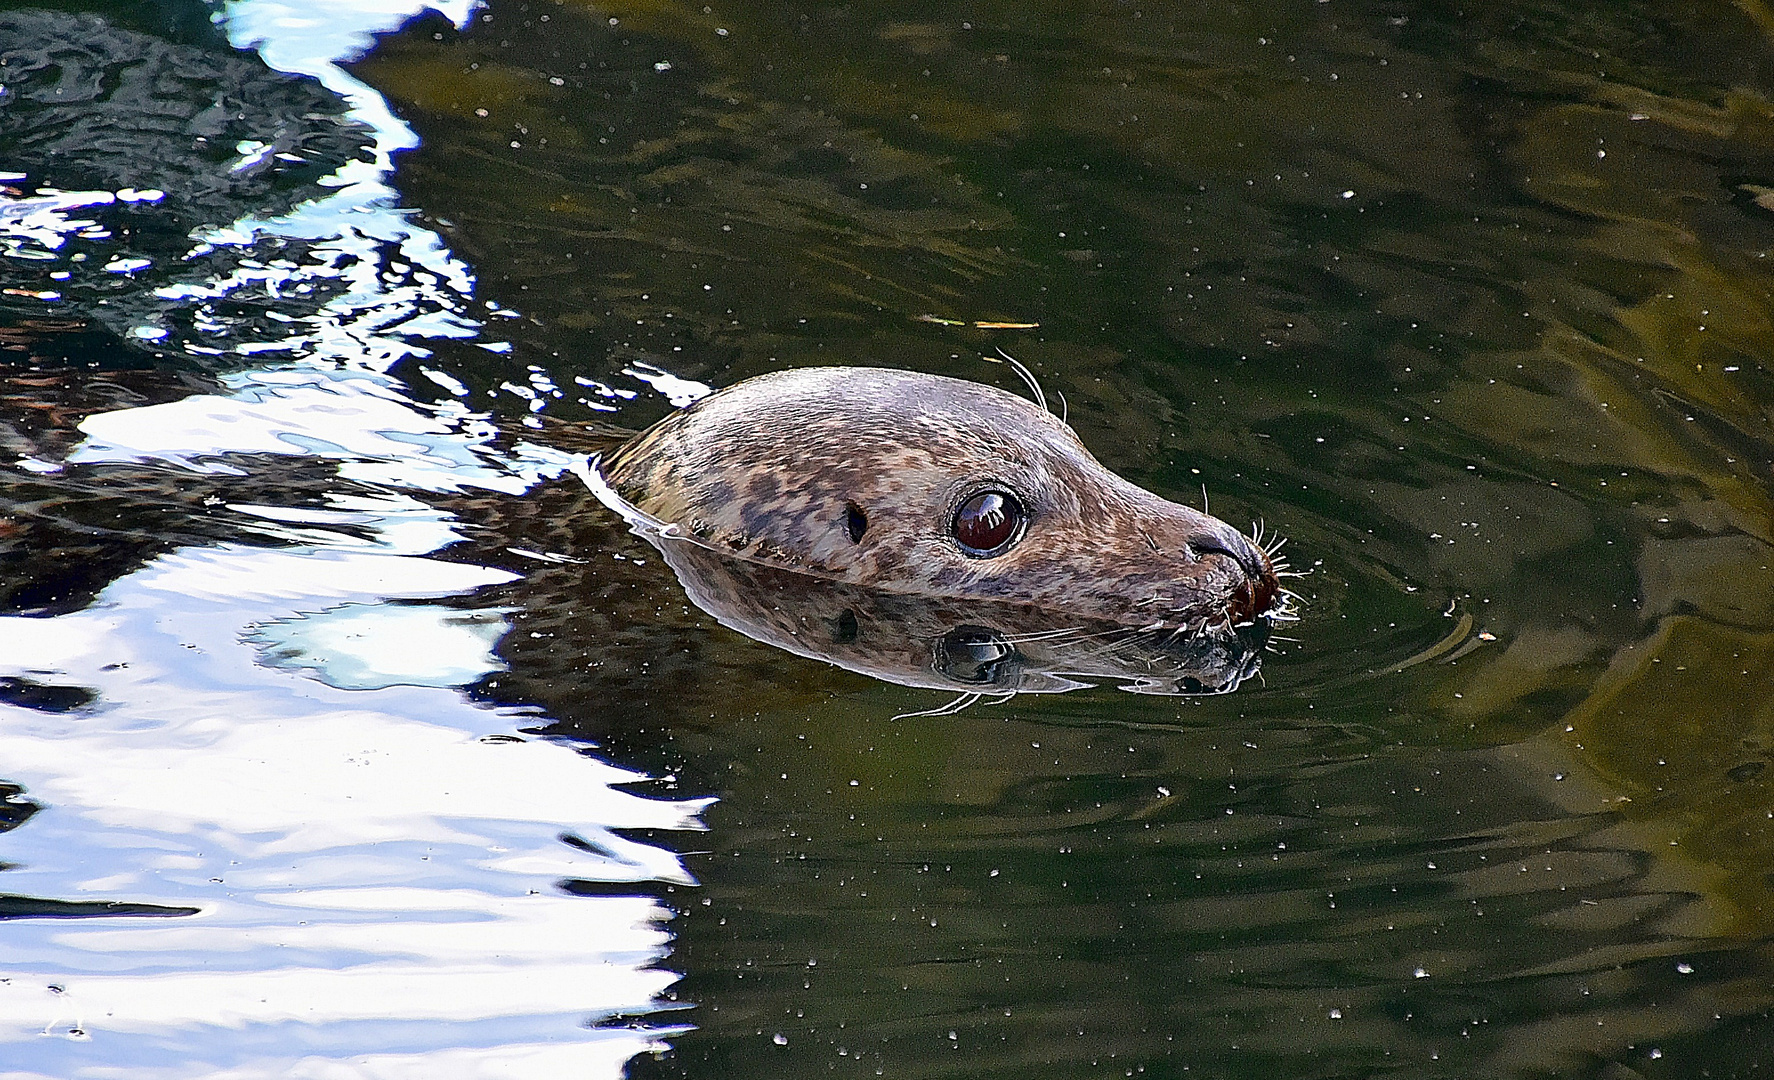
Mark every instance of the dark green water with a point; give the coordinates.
(1472, 303)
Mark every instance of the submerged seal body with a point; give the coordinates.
(904, 482)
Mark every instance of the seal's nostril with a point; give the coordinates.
(1212, 545)
(1258, 592)
(1234, 547)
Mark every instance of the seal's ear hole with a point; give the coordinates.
(844, 628)
(855, 522)
(988, 523)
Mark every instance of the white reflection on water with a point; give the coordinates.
(35, 227)
(373, 646)
(277, 739)
(365, 862)
(359, 419)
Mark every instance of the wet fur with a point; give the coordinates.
(770, 469)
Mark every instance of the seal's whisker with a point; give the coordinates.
(1039, 635)
(1156, 636)
(1085, 648)
(1183, 632)
(1103, 642)
(1088, 645)
(964, 701)
(1027, 377)
(1287, 607)
(1111, 641)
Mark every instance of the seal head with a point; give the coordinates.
(913, 483)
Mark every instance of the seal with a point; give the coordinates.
(911, 483)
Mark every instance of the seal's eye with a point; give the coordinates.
(987, 523)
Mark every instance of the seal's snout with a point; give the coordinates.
(1257, 594)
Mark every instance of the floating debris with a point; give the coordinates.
(980, 324)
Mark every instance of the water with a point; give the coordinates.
(353, 737)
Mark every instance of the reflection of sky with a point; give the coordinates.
(385, 305)
(278, 741)
(363, 860)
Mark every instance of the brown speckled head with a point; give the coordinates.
(914, 483)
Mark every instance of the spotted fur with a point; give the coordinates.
(770, 469)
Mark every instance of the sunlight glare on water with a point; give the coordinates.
(278, 762)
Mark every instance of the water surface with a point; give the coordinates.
(390, 752)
